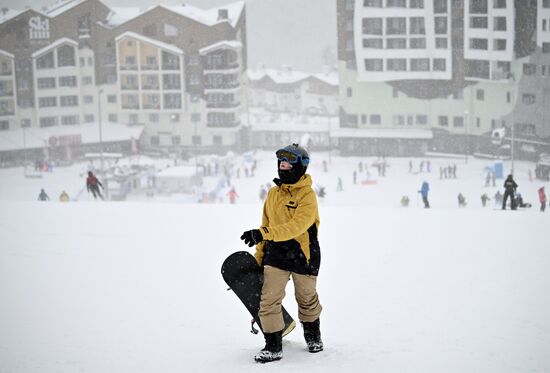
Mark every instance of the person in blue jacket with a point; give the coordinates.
(424, 192)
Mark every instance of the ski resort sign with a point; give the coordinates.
(39, 28)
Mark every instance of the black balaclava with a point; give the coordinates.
(293, 175)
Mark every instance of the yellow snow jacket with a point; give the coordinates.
(290, 223)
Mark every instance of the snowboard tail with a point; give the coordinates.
(244, 276)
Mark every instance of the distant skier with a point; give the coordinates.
(405, 201)
(424, 192)
(93, 184)
(484, 199)
(498, 199)
(63, 197)
(542, 199)
(43, 196)
(339, 187)
(232, 194)
(510, 187)
(287, 246)
(461, 200)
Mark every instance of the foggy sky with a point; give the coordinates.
(293, 32)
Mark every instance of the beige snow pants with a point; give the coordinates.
(273, 292)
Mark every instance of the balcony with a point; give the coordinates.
(6, 72)
(150, 86)
(223, 124)
(129, 106)
(128, 67)
(151, 106)
(222, 105)
(222, 86)
(150, 67)
(129, 87)
(6, 93)
(7, 112)
(222, 66)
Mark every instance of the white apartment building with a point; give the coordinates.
(8, 98)
(489, 34)
(543, 25)
(401, 39)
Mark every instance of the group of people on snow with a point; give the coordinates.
(92, 185)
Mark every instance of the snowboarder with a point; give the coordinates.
(461, 200)
(424, 192)
(484, 199)
(93, 184)
(43, 196)
(339, 186)
(510, 187)
(232, 194)
(287, 246)
(542, 199)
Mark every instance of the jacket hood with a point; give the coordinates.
(304, 181)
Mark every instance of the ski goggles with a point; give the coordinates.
(290, 157)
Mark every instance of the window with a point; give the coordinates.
(375, 119)
(458, 122)
(111, 99)
(528, 99)
(217, 140)
(196, 140)
(443, 121)
(194, 60)
(46, 83)
(154, 118)
(172, 101)
(349, 92)
(150, 30)
(396, 26)
(499, 23)
(48, 121)
(170, 30)
(396, 3)
(440, 6)
(420, 64)
(133, 118)
(479, 44)
(150, 62)
(87, 80)
(396, 64)
(176, 140)
(372, 26)
(68, 100)
(499, 4)
(416, 4)
(499, 44)
(440, 25)
(88, 99)
(369, 3)
(47, 101)
(416, 25)
(25, 123)
(372, 43)
(458, 95)
(130, 61)
(4, 125)
(479, 22)
(45, 62)
(417, 43)
(544, 23)
(439, 64)
(171, 81)
(67, 81)
(194, 79)
(441, 43)
(66, 56)
(478, 122)
(546, 3)
(480, 94)
(478, 6)
(113, 118)
(545, 47)
(396, 43)
(155, 140)
(373, 64)
(508, 97)
(90, 61)
(70, 120)
(82, 61)
(421, 119)
(398, 120)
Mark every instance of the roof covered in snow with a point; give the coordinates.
(286, 75)
(119, 15)
(209, 17)
(7, 54)
(6, 14)
(89, 134)
(54, 45)
(384, 133)
(160, 44)
(61, 6)
(224, 43)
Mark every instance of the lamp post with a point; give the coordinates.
(100, 129)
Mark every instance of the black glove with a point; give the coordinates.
(252, 237)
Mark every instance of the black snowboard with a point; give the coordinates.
(243, 275)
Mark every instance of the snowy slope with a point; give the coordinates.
(135, 286)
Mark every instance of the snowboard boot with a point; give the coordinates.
(312, 334)
(273, 349)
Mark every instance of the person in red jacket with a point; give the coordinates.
(542, 199)
(93, 184)
(232, 194)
